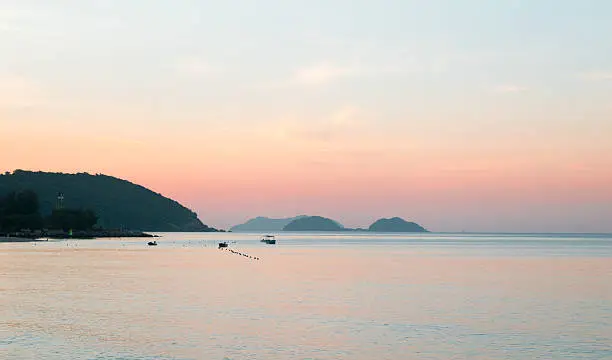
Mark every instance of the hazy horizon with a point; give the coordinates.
(460, 116)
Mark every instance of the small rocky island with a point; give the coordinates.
(314, 223)
(395, 224)
(262, 223)
(320, 223)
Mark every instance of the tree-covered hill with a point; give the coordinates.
(262, 223)
(118, 203)
(314, 223)
(395, 224)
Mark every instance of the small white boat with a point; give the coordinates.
(268, 239)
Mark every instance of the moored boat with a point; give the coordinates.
(268, 239)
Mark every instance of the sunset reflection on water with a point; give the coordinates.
(186, 300)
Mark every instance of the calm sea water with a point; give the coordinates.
(311, 296)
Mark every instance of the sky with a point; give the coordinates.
(466, 115)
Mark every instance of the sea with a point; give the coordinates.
(310, 296)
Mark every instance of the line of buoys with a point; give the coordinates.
(242, 254)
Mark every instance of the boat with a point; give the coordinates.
(222, 245)
(268, 239)
(152, 243)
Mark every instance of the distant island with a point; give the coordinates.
(319, 223)
(262, 223)
(116, 203)
(395, 224)
(314, 223)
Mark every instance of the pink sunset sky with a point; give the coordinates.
(475, 117)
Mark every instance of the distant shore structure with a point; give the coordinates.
(59, 205)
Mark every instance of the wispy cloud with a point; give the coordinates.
(348, 115)
(8, 27)
(327, 72)
(344, 136)
(8, 20)
(597, 76)
(344, 121)
(510, 89)
(314, 75)
(18, 17)
(195, 66)
(19, 92)
(322, 73)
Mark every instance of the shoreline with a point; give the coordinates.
(96, 235)
(78, 235)
(5, 239)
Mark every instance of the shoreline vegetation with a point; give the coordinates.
(76, 235)
(116, 203)
(33, 206)
(11, 239)
(21, 221)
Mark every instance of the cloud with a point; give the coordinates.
(319, 74)
(327, 72)
(349, 115)
(19, 92)
(20, 18)
(343, 122)
(8, 19)
(322, 73)
(194, 66)
(510, 89)
(7, 27)
(597, 76)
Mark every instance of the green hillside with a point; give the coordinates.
(118, 203)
